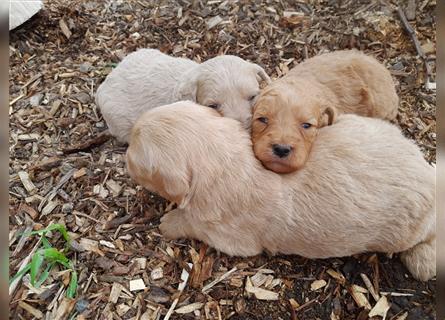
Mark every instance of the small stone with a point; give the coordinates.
(85, 67)
(398, 66)
(136, 35)
(36, 99)
(81, 305)
(83, 97)
(67, 208)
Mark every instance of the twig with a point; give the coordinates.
(117, 221)
(77, 213)
(408, 28)
(370, 287)
(304, 305)
(396, 294)
(184, 277)
(218, 280)
(98, 140)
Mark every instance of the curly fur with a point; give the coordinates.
(148, 78)
(365, 187)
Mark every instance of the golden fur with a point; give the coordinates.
(365, 187)
(290, 111)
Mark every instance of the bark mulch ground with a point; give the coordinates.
(65, 169)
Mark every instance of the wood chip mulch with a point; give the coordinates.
(64, 168)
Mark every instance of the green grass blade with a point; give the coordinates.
(72, 287)
(20, 273)
(46, 243)
(45, 274)
(54, 255)
(56, 226)
(36, 263)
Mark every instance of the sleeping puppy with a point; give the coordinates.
(148, 78)
(365, 187)
(290, 111)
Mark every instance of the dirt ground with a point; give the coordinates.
(62, 170)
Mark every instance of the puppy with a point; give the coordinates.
(148, 78)
(290, 111)
(365, 187)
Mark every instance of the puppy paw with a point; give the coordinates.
(172, 225)
(421, 260)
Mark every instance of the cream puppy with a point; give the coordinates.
(365, 187)
(148, 78)
(290, 111)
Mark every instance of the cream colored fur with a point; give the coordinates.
(349, 80)
(290, 111)
(365, 187)
(148, 78)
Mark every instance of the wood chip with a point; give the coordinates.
(189, 308)
(137, 285)
(50, 206)
(27, 183)
(294, 303)
(30, 309)
(317, 284)
(337, 276)
(64, 309)
(209, 286)
(259, 293)
(359, 297)
(370, 287)
(259, 279)
(80, 173)
(380, 309)
(122, 309)
(157, 274)
(107, 244)
(114, 187)
(213, 22)
(90, 245)
(403, 316)
(65, 30)
(184, 278)
(116, 290)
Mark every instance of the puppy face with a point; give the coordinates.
(284, 126)
(229, 85)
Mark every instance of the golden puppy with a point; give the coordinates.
(365, 187)
(289, 111)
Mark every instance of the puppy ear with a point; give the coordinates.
(261, 74)
(328, 116)
(188, 87)
(159, 174)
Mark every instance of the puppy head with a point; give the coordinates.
(227, 84)
(285, 124)
(153, 161)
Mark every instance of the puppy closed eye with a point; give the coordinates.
(215, 106)
(252, 97)
(263, 120)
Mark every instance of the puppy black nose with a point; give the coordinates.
(281, 150)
